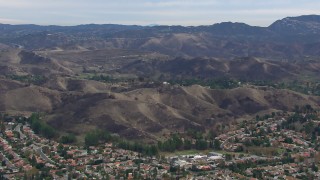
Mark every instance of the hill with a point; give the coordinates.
(291, 38)
(146, 113)
(243, 69)
(147, 82)
(297, 25)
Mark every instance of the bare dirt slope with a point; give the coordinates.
(18, 97)
(20, 62)
(149, 113)
(74, 104)
(251, 69)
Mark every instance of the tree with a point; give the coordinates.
(288, 140)
(201, 144)
(257, 173)
(239, 149)
(25, 177)
(308, 108)
(155, 173)
(216, 144)
(40, 127)
(314, 167)
(309, 127)
(173, 169)
(46, 149)
(3, 127)
(153, 150)
(10, 156)
(68, 139)
(36, 127)
(187, 144)
(48, 131)
(296, 109)
(39, 165)
(33, 161)
(212, 134)
(228, 157)
(91, 139)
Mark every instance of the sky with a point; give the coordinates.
(147, 12)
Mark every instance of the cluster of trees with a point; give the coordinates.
(44, 174)
(41, 127)
(258, 142)
(306, 109)
(8, 118)
(301, 121)
(68, 139)
(150, 150)
(241, 167)
(31, 79)
(302, 87)
(62, 151)
(44, 171)
(266, 116)
(174, 143)
(221, 83)
(103, 78)
(2, 126)
(93, 138)
(306, 88)
(110, 79)
(217, 83)
(177, 143)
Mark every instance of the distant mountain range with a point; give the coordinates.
(291, 38)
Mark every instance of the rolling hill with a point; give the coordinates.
(113, 77)
(146, 113)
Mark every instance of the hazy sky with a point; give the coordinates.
(145, 12)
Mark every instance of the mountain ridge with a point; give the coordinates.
(289, 38)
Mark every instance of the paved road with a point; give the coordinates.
(17, 128)
(42, 155)
(8, 163)
(227, 140)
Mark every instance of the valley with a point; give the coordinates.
(163, 90)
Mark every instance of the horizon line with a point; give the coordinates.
(141, 25)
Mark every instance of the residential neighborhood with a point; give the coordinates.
(258, 149)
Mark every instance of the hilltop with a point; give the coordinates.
(291, 38)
